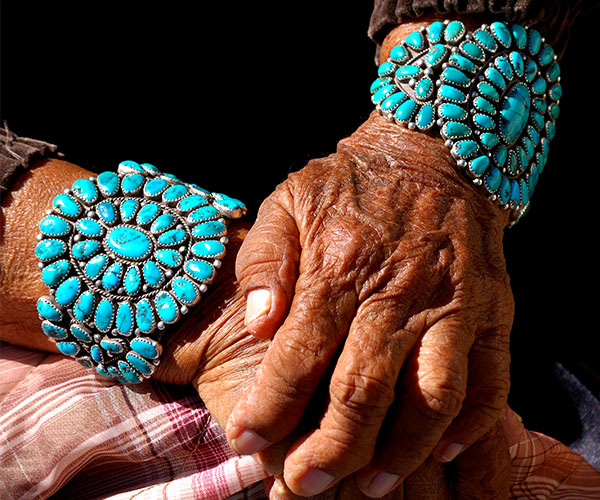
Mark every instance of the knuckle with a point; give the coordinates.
(440, 399)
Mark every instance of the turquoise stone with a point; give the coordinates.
(554, 111)
(232, 207)
(96, 266)
(465, 149)
(455, 130)
(462, 62)
(68, 348)
(473, 51)
(533, 179)
(96, 354)
(151, 169)
(424, 88)
(504, 191)
(382, 93)
(104, 315)
(540, 104)
(185, 291)
(479, 165)
(425, 117)
(380, 82)
(407, 72)
(392, 102)
(89, 228)
(435, 31)
(531, 70)
(450, 93)
(129, 373)
(145, 347)
(517, 62)
(85, 190)
(484, 122)
(515, 192)
(124, 319)
(128, 242)
(534, 135)
(494, 76)
(514, 113)
(152, 273)
(112, 277)
(555, 92)
(203, 214)
(535, 42)
(175, 193)
(454, 31)
(386, 69)
(505, 67)
(539, 86)
(67, 292)
(50, 249)
(398, 54)
(117, 375)
(488, 91)
(455, 76)
(47, 310)
(147, 213)
(166, 307)
(451, 111)
(553, 72)
(108, 183)
(129, 165)
(524, 191)
(214, 229)
(84, 306)
(131, 183)
(501, 155)
(484, 105)
(529, 149)
(436, 55)
(53, 331)
(144, 318)
(538, 120)
(54, 226)
(85, 249)
(489, 140)
(501, 33)
(546, 55)
(66, 205)
(519, 34)
(405, 111)
(486, 40)
(200, 270)
(132, 280)
(107, 212)
(192, 202)
(154, 187)
(81, 333)
(550, 130)
(129, 208)
(54, 273)
(209, 249)
(170, 258)
(139, 363)
(111, 345)
(172, 237)
(162, 223)
(492, 180)
(513, 163)
(415, 40)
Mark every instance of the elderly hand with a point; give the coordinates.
(384, 264)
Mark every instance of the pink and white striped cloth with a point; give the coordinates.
(66, 434)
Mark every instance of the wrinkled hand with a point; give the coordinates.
(384, 263)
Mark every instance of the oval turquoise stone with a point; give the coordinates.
(455, 76)
(479, 165)
(85, 190)
(454, 30)
(89, 227)
(485, 39)
(175, 192)
(514, 113)
(501, 33)
(139, 363)
(68, 348)
(450, 93)
(96, 354)
(546, 55)
(539, 86)
(132, 280)
(504, 66)
(436, 54)
(489, 140)
(385, 69)
(200, 270)
(104, 315)
(192, 202)
(483, 122)
(152, 273)
(472, 50)
(155, 186)
(455, 130)
(531, 70)
(462, 62)
(162, 223)
(494, 76)
(215, 228)
(172, 237)
(147, 213)
(185, 291)
(553, 71)
(54, 273)
(504, 191)
(128, 242)
(405, 111)
(96, 266)
(129, 373)
(170, 258)
(392, 102)
(131, 183)
(107, 212)
(378, 83)
(488, 91)
(66, 205)
(147, 348)
(484, 105)
(452, 111)
(492, 180)
(47, 310)
(517, 62)
(555, 92)
(112, 277)
(67, 292)
(515, 192)
(203, 214)
(54, 226)
(465, 149)
(398, 54)
(108, 182)
(54, 331)
(81, 333)
(129, 209)
(424, 88)
(50, 249)
(124, 319)
(84, 306)
(208, 249)
(535, 42)
(166, 307)
(407, 72)
(85, 249)
(519, 34)
(382, 93)
(435, 31)
(425, 117)
(144, 318)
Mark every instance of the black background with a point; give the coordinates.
(240, 94)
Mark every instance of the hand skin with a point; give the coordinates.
(210, 347)
(385, 264)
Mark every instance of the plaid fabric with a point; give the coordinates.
(66, 434)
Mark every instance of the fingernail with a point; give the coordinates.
(450, 452)
(258, 303)
(382, 484)
(314, 481)
(248, 442)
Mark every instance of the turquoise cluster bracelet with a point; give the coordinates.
(124, 255)
(492, 94)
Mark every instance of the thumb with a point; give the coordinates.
(267, 264)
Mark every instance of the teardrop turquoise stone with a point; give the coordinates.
(129, 373)
(404, 111)
(85, 249)
(501, 33)
(450, 93)
(128, 209)
(54, 331)
(200, 270)
(203, 214)
(192, 202)
(68, 348)
(465, 149)
(518, 64)
(152, 273)
(436, 54)
(108, 182)
(455, 130)
(54, 273)
(96, 266)
(415, 40)
(435, 31)
(80, 333)
(132, 280)
(407, 72)
(85, 190)
(398, 54)
(484, 121)
(425, 117)
(96, 354)
(124, 319)
(485, 39)
(112, 277)
(67, 292)
(147, 348)
(479, 165)
(84, 306)
(170, 258)
(128, 242)
(66, 205)
(166, 307)
(185, 290)
(162, 223)
(54, 226)
(519, 34)
(147, 213)
(494, 76)
(104, 315)
(462, 63)
(215, 228)
(89, 227)
(172, 237)
(452, 111)
(514, 113)
(111, 345)
(535, 42)
(472, 50)
(47, 310)
(107, 212)
(139, 363)
(424, 88)
(455, 76)
(155, 186)
(488, 91)
(208, 249)
(131, 183)
(492, 180)
(454, 30)
(392, 102)
(144, 318)
(175, 192)
(386, 69)
(504, 66)
(50, 249)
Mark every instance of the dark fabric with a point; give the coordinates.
(18, 153)
(553, 18)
